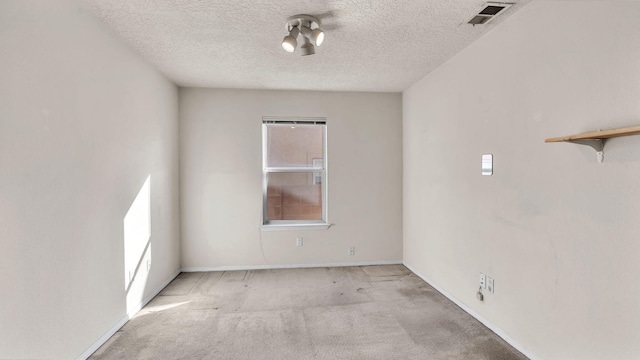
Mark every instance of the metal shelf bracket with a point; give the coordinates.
(596, 144)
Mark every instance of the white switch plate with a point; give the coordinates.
(487, 164)
(490, 284)
(483, 283)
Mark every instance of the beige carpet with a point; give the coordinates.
(371, 312)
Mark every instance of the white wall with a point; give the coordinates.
(83, 123)
(557, 230)
(221, 178)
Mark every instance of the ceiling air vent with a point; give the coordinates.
(488, 12)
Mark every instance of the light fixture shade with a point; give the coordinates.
(289, 42)
(316, 35)
(307, 48)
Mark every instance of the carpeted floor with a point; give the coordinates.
(371, 312)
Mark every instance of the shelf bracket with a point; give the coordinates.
(596, 144)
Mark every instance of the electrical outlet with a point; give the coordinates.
(483, 281)
(299, 241)
(352, 250)
(490, 284)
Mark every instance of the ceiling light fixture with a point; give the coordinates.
(309, 27)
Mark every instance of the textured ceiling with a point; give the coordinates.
(384, 45)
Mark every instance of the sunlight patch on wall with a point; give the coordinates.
(137, 236)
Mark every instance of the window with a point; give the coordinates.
(294, 177)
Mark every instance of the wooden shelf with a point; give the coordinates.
(603, 134)
(596, 139)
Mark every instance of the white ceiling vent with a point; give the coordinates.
(488, 12)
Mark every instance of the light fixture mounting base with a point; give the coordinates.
(302, 19)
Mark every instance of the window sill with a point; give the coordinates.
(285, 227)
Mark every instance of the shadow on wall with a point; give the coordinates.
(137, 247)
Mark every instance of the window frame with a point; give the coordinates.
(311, 169)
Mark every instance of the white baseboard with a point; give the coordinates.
(289, 266)
(103, 339)
(468, 310)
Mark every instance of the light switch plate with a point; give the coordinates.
(487, 164)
